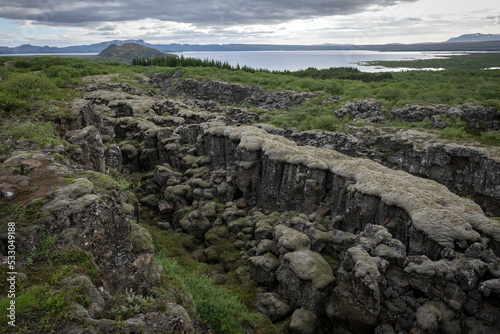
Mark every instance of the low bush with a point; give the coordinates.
(29, 86)
(41, 134)
(11, 104)
(39, 305)
(456, 130)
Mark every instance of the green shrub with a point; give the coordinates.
(24, 302)
(108, 184)
(28, 86)
(11, 104)
(41, 134)
(457, 129)
(22, 63)
(39, 304)
(63, 75)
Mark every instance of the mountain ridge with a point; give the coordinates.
(460, 43)
(130, 51)
(477, 37)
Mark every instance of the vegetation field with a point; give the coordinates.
(39, 86)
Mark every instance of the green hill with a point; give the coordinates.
(130, 51)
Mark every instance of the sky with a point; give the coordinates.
(76, 22)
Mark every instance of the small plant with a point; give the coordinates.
(46, 244)
(78, 257)
(59, 158)
(108, 184)
(134, 304)
(491, 135)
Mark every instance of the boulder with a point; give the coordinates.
(303, 322)
(273, 306)
(263, 268)
(289, 240)
(364, 109)
(305, 278)
(141, 240)
(195, 224)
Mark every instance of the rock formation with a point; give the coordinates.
(336, 242)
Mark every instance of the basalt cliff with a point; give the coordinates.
(377, 231)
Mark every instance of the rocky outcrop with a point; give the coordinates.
(322, 175)
(468, 169)
(228, 94)
(477, 117)
(365, 109)
(74, 223)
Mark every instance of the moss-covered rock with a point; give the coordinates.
(303, 322)
(310, 266)
(195, 224)
(141, 240)
(273, 306)
(289, 239)
(263, 268)
(77, 188)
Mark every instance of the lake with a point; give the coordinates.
(297, 60)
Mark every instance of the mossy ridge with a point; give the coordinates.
(435, 211)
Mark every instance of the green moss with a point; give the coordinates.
(260, 324)
(331, 261)
(141, 240)
(107, 184)
(23, 215)
(39, 308)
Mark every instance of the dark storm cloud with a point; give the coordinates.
(199, 13)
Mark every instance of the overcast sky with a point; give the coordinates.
(76, 22)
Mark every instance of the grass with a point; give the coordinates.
(23, 215)
(43, 303)
(215, 305)
(226, 308)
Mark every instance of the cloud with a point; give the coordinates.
(106, 27)
(196, 12)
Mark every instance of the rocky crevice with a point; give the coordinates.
(412, 255)
(334, 242)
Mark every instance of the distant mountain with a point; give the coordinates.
(130, 51)
(475, 38)
(476, 42)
